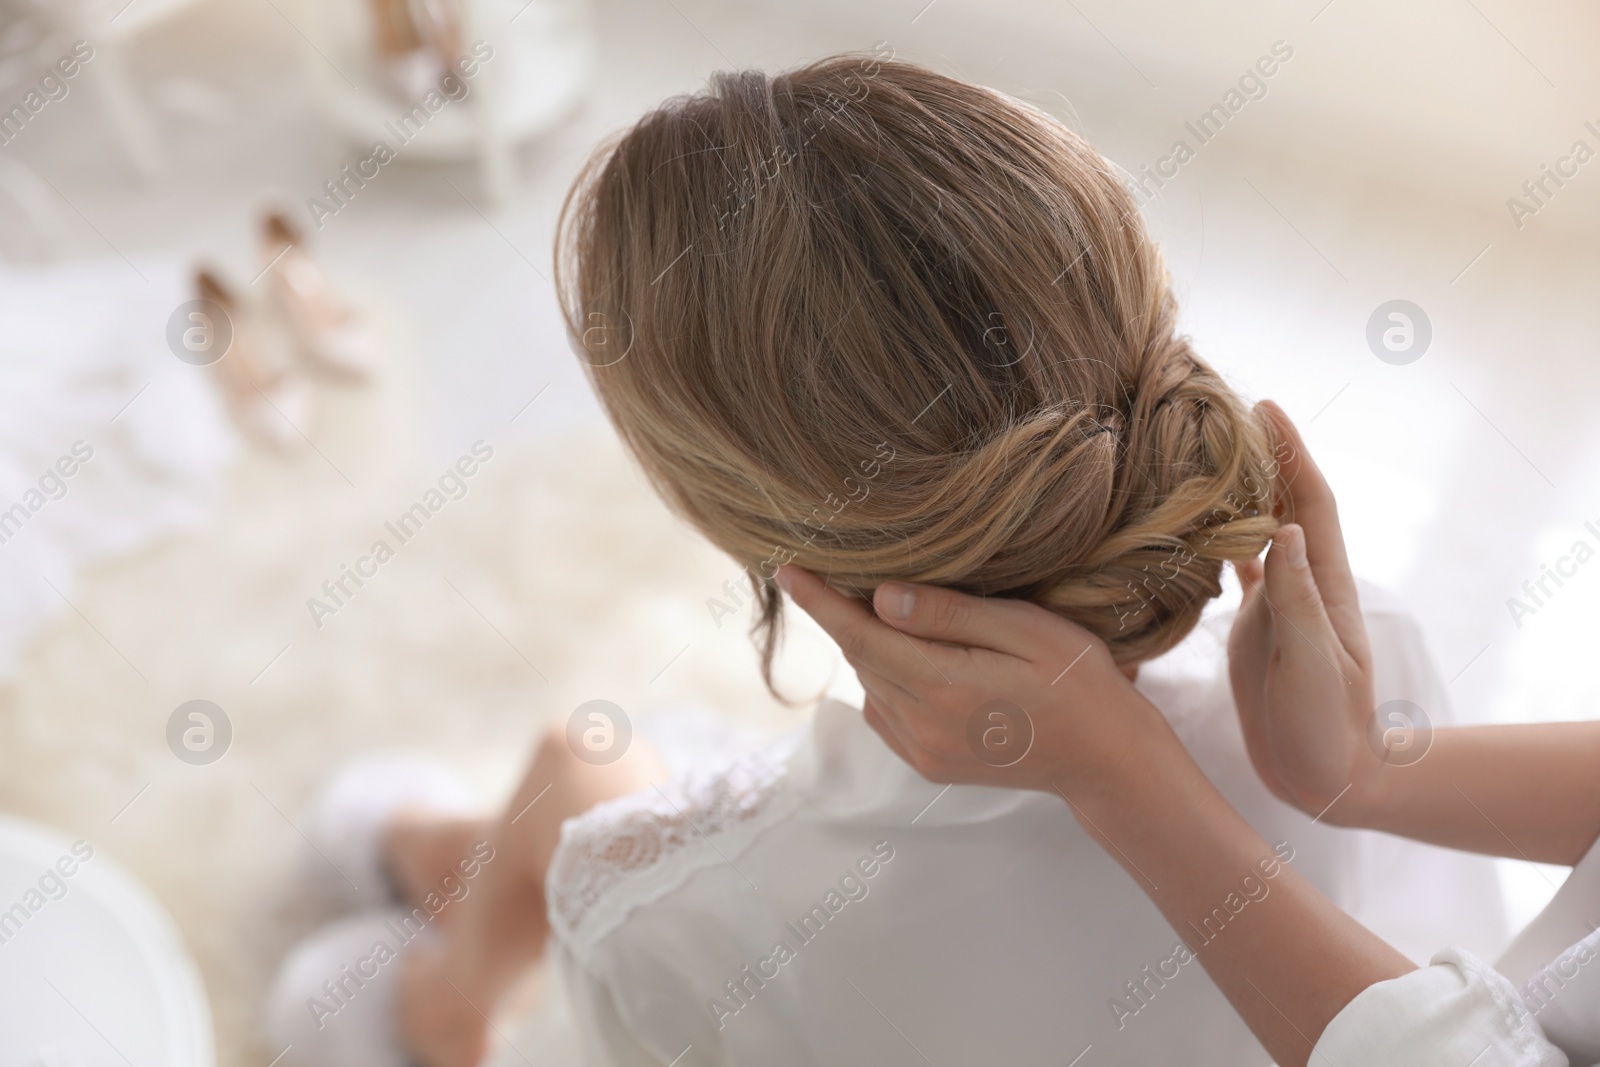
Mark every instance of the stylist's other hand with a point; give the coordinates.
(1298, 655)
(946, 674)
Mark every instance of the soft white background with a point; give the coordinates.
(1376, 167)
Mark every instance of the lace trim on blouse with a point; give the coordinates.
(632, 851)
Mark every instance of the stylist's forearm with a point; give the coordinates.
(1490, 789)
(1287, 959)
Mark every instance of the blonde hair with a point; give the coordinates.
(886, 324)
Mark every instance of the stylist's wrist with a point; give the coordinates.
(1360, 800)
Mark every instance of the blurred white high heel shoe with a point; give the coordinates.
(329, 333)
(270, 403)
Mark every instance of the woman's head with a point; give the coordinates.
(885, 324)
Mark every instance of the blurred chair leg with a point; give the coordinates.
(495, 163)
(489, 101)
(126, 112)
(37, 201)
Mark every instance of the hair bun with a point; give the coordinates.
(825, 273)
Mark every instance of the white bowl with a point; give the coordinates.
(92, 971)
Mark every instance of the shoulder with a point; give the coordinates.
(631, 852)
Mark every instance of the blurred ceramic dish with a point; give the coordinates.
(92, 971)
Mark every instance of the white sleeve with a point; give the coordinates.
(1457, 1011)
(1566, 998)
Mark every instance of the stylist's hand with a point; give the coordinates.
(945, 674)
(1298, 656)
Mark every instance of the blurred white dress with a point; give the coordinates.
(84, 365)
(819, 903)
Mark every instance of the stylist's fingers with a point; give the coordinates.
(1290, 590)
(1250, 574)
(864, 639)
(1001, 624)
(1312, 506)
(1250, 649)
(1253, 624)
(1304, 486)
(1252, 627)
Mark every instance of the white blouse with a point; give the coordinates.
(817, 902)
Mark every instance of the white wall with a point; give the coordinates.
(1446, 96)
